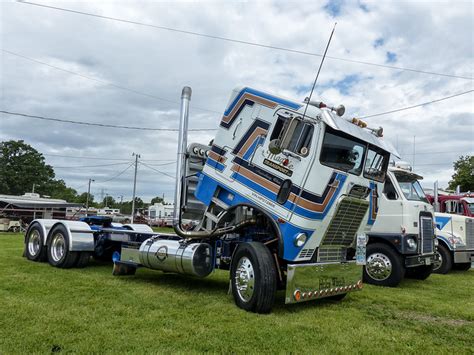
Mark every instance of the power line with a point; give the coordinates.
(102, 124)
(99, 158)
(116, 176)
(423, 153)
(117, 86)
(88, 166)
(158, 171)
(227, 39)
(418, 105)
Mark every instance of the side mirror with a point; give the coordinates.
(275, 146)
(340, 110)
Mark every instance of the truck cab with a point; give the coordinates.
(455, 232)
(402, 239)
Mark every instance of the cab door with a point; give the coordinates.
(284, 173)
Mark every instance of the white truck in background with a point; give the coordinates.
(402, 240)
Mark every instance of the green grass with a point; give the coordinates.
(90, 311)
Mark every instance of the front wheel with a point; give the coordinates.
(444, 262)
(59, 254)
(383, 266)
(419, 272)
(253, 278)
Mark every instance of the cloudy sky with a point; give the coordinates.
(133, 75)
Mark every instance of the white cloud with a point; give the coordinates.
(423, 35)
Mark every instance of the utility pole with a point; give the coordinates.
(121, 200)
(134, 185)
(88, 193)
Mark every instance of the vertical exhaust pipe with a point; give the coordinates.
(436, 196)
(181, 159)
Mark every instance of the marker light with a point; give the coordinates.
(297, 295)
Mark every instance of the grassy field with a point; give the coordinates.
(45, 309)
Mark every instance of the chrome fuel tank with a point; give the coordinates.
(174, 256)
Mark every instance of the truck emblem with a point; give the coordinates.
(277, 167)
(162, 253)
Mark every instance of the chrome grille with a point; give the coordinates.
(427, 235)
(470, 233)
(306, 253)
(345, 222)
(332, 254)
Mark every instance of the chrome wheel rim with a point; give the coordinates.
(34, 243)
(379, 266)
(58, 247)
(245, 279)
(438, 262)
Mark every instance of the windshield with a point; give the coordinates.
(471, 207)
(411, 188)
(342, 152)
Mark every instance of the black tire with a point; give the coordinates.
(384, 267)
(462, 266)
(83, 259)
(34, 245)
(446, 260)
(253, 262)
(59, 254)
(419, 272)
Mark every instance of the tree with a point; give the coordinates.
(21, 166)
(463, 173)
(82, 198)
(156, 199)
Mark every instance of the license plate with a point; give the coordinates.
(427, 261)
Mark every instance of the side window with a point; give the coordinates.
(294, 134)
(389, 190)
(460, 208)
(284, 192)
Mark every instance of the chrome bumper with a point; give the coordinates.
(307, 282)
(463, 256)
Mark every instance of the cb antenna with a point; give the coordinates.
(319, 70)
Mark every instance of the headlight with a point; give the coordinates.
(456, 241)
(300, 239)
(436, 242)
(411, 243)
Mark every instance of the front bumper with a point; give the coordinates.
(463, 256)
(420, 260)
(307, 282)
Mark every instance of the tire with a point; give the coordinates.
(83, 259)
(384, 267)
(59, 254)
(462, 266)
(34, 245)
(419, 272)
(446, 260)
(253, 277)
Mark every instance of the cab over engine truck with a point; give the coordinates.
(454, 218)
(282, 201)
(402, 240)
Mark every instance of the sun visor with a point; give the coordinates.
(364, 134)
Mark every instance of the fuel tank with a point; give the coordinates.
(175, 256)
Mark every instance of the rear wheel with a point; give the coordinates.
(59, 254)
(419, 272)
(383, 266)
(462, 266)
(444, 262)
(83, 259)
(34, 246)
(253, 278)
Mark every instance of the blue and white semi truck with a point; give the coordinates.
(283, 197)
